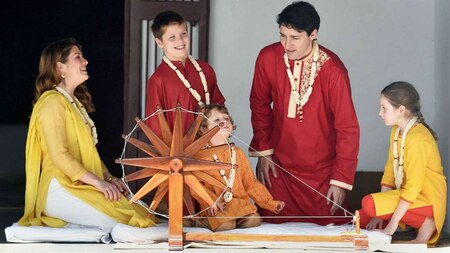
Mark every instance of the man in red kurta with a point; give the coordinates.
(179, 78)
(304, 121)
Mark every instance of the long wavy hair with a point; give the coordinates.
(49, 75)
(403, 93)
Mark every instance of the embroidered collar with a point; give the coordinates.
(301, 94)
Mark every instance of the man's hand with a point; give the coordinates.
(337, 194)
(265, 164)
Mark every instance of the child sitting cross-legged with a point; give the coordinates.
(235, 205)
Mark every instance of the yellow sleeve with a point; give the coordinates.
(52, 119)
(255, 189)
(388, 175)
(417, 150)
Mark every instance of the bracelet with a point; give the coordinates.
(111, 179)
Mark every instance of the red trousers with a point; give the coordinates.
(413, 217)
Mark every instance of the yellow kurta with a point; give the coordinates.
(423, 181)
(245, 188)
(60, 145)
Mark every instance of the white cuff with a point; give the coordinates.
(261, 153)
(341, 184)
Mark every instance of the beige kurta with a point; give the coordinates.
(60, 145)
(423, 182)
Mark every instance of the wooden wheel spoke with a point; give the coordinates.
(208, 152)
(205, 177)
(190, 164)
(200, 142)
(159, 144)
(187, 197)
(159, 195)
(176, 147)
(195, 185)
(146, 172)
(164, 125)
(156, 180)
(193, 130)
(147, 148)
(160, 163)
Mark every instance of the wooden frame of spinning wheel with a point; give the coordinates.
(175, 166)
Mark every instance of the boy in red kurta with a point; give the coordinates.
(303, 120)
(235, 208)
(179, 78)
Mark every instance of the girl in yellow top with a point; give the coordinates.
(235, 208)
(413, 186)
(66, 180)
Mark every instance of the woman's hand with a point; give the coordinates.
(110, 190)
(120, 185)
(375, 223)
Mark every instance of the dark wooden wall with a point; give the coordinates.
(28, 26)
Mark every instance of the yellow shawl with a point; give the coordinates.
(41, 167)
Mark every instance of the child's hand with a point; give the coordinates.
(375, 223)
(215, 209)
(280, 206)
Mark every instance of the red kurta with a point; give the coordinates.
(165, 88)
(321, 150)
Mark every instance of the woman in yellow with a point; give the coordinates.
(235, 205)
(413, 186)
(66, 180)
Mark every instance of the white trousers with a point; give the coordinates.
(63, 205)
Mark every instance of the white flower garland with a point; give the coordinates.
(398, 161)
(301, 99)
(82, 111)
(186, 82)
(228, 195)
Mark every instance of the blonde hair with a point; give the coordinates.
(208, 109)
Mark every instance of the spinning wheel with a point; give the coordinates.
(175, 166)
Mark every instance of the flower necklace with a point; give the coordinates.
(228, 195)
(398, 161)
(82, 111)
(302, 97)
(186, 82)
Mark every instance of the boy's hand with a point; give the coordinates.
(215, 209)
(280, 207)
